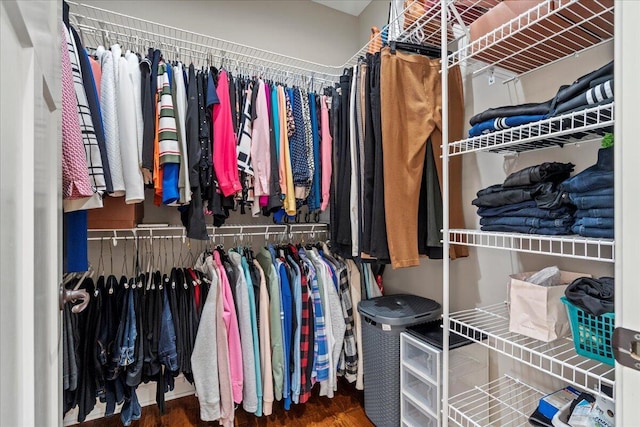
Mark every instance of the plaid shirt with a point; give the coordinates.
(348, 365)
(306, 337)
(320, 347)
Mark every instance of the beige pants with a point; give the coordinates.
(411, 102)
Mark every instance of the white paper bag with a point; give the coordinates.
(536, 311)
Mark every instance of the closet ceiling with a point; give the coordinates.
(352, 7)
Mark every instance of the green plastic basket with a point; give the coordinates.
(592, 335)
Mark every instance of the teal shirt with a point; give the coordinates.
(254, 332)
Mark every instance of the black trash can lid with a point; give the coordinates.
(400, 310)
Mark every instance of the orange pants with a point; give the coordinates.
(411, 109)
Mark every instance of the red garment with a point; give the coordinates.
(97, 73)
(225, 160)
(196, 289)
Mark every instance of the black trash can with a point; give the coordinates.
(383, 319)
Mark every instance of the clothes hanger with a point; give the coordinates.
(67, 295)
(426, 50)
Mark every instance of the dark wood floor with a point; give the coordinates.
(346, 409)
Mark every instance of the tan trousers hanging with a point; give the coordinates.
(411, 101)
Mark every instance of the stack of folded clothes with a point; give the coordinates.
(591, 191)
(595, 88)
(528, 202)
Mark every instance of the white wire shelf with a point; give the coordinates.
(505, 402)
(557, 131)
(557, 358)
(564, 246)
(99, 26)
(550, 31)
(417, 23)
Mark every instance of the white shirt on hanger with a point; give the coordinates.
(128, 131)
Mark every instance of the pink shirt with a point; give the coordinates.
(225, 160)
(260, 144)
(233, 332)
(325, 153)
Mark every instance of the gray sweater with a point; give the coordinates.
(204, 359)
(249, 391)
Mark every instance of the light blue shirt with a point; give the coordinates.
(297, 297)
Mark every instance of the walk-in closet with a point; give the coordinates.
(414, 213)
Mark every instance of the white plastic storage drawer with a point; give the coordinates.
(420, 357)
(413, 416)
(423, 392)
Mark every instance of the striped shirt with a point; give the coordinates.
(91, 148)
(167, 133)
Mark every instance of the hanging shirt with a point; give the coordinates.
(129, 112)
(277, 351)
(224, 141)
(169, 149)
(75, 176)
(308, 139)
(314, 195)
(320, 348)
(233, 333)
(275, 112)
(265, 344)
(254, 334)
(338, 325)
(326, 144)
(285, 320)
(204, 358)
(179, 93)
(108, 105)
(298, 147)
(222, 344)
(290, 198)
(89, 70)
(260, 144)
(93, 160)
(242, 299)
(297, 298)
(244, 138)
(348, 365)
(356, 295)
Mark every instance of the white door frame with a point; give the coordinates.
(627, 157)
(30, 213)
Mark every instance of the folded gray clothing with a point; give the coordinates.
(595, 296)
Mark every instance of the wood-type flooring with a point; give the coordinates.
(346, 409)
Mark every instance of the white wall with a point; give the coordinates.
(375, 14)
(301, 28)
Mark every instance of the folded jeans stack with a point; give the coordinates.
(591, 192)
(528, 202)
(592, 89)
